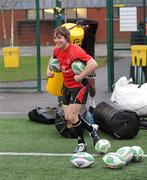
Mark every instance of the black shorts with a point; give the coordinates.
(75, 95)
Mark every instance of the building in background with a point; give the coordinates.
(25, 18)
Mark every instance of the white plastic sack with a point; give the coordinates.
(130, 96)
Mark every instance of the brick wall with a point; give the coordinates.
(18, 15)
(25, 30)
(99, 14)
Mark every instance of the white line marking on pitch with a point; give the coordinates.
(43, 154)
(13, 113)
(38, 154)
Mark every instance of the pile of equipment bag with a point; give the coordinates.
(55, 116)
(131, 96)
(111, 118)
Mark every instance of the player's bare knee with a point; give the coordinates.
(66, 116)
(72, 117)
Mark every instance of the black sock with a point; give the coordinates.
(79, 130)
(86, 125)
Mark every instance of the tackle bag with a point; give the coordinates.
(143, 123)
(43, 115)
(62, 125)
(114, 120)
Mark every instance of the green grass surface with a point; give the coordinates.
(27, 69)
(22, 135)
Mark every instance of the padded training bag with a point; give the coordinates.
(43, 115)
(61, 126)
(61, 123)
(121, 123)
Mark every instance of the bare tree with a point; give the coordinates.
(3, 4)
(13, 5)
(8, 4)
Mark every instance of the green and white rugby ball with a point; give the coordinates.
(138, 153)
(78, 67)
(114, 160)
(82, 159)
(102, 146)
(54, 65)
(126, 152)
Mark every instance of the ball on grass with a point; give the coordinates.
(126, 152)
(102, 146)
(82, 159)
(114, 160)
(138, 153)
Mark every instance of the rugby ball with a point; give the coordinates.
(78, 67)
(126, 152)
(54, 65)
(82, 159)
(102, 146)
(114, 160)
(138, 153)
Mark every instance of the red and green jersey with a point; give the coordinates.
(66, 58)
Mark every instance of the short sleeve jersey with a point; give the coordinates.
(66, 58)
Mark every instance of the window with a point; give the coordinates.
(31, 14)
(70, 13)
(81, 12)
(116, 12)
(75, 13)
(48, 13)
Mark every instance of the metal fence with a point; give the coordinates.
(19, 47)
(126, 26)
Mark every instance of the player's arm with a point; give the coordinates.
(90, 67)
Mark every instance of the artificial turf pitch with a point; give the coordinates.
(21, 135)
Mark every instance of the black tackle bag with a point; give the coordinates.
(61, 123)
(143, 123)
(121, 123)
(45, 115)
(61, 126)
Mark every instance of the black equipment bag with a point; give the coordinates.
(111, 118)
(43, 115)
(143, 123)
(90, 28)
(61, 123)
(61, 126)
